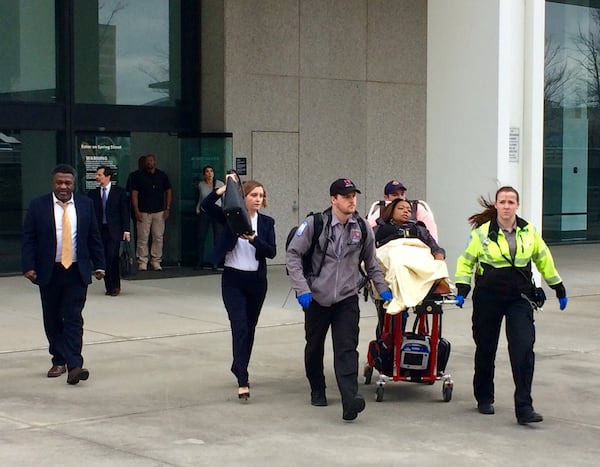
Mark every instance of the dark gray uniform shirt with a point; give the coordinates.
(340, 276)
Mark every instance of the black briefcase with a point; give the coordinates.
(235, 210)
(127, 263)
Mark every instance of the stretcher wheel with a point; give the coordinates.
(447, 387)
(379, 394)
(368, 373)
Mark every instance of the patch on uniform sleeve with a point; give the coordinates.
(301, 227)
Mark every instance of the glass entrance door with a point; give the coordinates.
(216, 151)
(572, 122)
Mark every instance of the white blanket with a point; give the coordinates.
(410, 271)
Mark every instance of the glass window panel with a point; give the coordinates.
(27, 50)
(26, 160)
(127, 52)
(572, 122)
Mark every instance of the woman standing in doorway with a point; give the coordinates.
(244, 279)
(206, 222)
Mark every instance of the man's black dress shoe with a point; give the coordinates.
(530, 417)
(486, 409)
(353, 408)
(318, 398)
(56, 371)
(77, 374)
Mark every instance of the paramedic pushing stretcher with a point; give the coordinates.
(329, 297)
(501, 248)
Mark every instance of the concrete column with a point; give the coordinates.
(485, 80)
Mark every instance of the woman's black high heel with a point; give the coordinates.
(244, 393)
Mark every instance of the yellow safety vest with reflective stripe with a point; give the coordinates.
(491, 258)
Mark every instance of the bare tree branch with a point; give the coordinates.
(587, 45)
(119, 5)
(557, 74)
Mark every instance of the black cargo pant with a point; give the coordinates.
(488, 311)
(343, 318)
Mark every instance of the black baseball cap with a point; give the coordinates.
(343, 186)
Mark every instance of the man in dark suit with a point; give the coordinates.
(60, 242)
(111, 206)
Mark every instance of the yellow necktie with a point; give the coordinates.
(66, 253)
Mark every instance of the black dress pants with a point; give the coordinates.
(243, 295)
(488, 311)
(112, 278)
(62, 304)
(343, 317)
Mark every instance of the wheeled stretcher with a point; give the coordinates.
(420, 354)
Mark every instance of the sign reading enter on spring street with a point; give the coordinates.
(241, 165)
(514, 140)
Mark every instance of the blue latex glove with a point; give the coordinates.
(563, 302)
(386, 295)
(460, 301)
(304, 299)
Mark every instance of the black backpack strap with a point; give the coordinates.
(318, 228)
(363, 233)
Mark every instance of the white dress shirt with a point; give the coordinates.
(58, 216)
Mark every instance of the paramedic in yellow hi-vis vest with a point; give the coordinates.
(501, 248)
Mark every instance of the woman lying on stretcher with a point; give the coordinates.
(411, 260)
(395, 223)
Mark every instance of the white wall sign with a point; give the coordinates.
(514, 139)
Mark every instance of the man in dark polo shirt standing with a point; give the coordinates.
(151, 196)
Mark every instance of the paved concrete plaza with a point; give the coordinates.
(161, 394)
